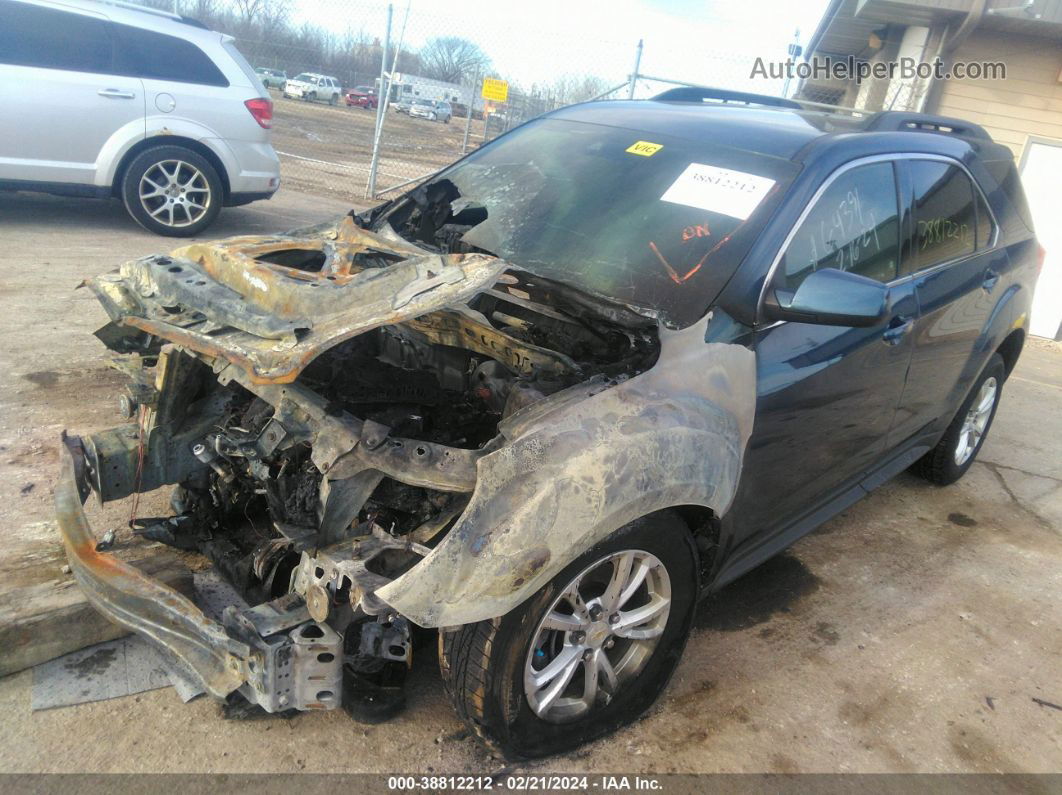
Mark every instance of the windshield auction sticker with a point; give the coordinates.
(644, 148)
(718, 190)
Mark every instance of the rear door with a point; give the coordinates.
(182, 82)
(955, 267)
(827, 395)
(61, 101)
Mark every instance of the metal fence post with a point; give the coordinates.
(634, 73)
(468, 111)
(370, 188)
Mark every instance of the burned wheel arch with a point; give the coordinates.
(583, 464)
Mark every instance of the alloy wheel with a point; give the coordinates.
(175, 193)
(976, 420)
(597, 635)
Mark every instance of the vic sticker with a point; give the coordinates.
(644, 148)
(718, 190)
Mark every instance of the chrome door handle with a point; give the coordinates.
(897, 330)
(114, 93)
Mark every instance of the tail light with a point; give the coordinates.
(262, 110)
(1041, 255)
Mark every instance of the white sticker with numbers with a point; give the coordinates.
(718, 190)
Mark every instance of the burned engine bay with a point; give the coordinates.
(321, 400)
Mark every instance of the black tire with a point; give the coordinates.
(446, 120)
(940, 465)
(146, 162)
(483, 664)
(311, 97)
(334, 99)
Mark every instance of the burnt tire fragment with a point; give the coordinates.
(482, 664)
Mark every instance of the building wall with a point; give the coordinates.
(1028, 102)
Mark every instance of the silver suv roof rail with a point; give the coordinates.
(146, 9)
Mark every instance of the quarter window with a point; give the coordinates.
(852, 227)
(944, 213)
(50, 39)
(156, 56)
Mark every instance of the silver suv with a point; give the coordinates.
(310, 86)
(108, 99)
(433, 109)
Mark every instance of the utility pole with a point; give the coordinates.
(795, 51)
(381, 105)
(468, 111)
(637, 66)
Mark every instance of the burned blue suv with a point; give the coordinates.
(545, 401)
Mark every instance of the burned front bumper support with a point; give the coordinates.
(274, 654)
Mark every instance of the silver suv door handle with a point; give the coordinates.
(114, 93)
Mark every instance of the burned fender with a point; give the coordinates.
(580, 465)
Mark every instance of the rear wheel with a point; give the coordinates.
(334, 99)
(173, 191)
(957, 449)
(585, 655)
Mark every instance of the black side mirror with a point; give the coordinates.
(830, 297)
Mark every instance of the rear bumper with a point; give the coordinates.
(199, 646)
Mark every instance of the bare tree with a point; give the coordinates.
(452, 58)
(263, 15)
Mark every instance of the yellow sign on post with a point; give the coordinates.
(495, 90)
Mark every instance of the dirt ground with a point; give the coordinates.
(913, 633)
(323, 149)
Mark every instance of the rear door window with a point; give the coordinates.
(945, 214)
(854, 226)
(51, 39)
(156, 56)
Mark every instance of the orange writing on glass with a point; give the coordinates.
(695, 231)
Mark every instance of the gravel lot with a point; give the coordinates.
(913, 633)
(324, 149)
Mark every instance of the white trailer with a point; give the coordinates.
(407, 87)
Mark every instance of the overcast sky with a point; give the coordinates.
(713, 42)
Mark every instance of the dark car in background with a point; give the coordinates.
(550, 399)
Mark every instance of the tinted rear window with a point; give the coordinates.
(156, 56)
(945, 215)
(42, 37)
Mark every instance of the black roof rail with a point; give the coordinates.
(702, 93)
(901, 120)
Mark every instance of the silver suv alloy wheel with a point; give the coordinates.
(973, 426)
(175, 193)
(598, 634)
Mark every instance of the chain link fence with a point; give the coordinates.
(407, 97)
